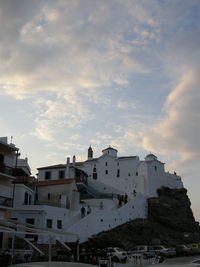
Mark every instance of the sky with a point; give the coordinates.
(124, 73)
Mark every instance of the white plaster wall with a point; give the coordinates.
(55, 192)
(54, 173)
(6, 191)
(104, 220)
(9, 161)
(125, 183)
(19, 193)
(174, 181)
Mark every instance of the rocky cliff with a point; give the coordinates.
(170, 222)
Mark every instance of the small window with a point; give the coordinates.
(94, 169)
(30, 220)
(155, 167)
(117, 163)
(136, 173)
(118, 173)
(94, 175)
(59, 224)
(106, 171)
(48, 175)
(106, 163)
(49, 196)
(30, 199)
(49, 223)
(61, 174)
(26, 198)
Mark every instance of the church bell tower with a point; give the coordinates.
(90, 153)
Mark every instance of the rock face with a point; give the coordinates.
(170, 222)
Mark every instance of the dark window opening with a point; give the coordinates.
(136, 173)
(118, 173)
(106, 163)
(47, 175)
(59, 224)
(106, 171)
(30, 220)
(155, 167)
(26, 198)
(30, 199)
(49, 223)
(94, 170)
(61, 174)
(94, 176)
(49, 196)
(1, 158)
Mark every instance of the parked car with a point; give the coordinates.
(183, 250)
(117, 254)
(193, 250)
(147, 251)
(196, 246)
(164, 251)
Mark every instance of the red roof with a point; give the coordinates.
(53, 182)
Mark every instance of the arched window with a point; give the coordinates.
(49, 196)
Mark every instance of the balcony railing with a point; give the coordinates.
(6, 170)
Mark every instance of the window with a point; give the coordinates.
(94, 176)
(1, 158)
(47, 175)
(155, 167)
(106, 171)
(30, 220)
(49, 223)
(49, 196)
(29, 200)
(136, 173)
(94, 169)
(59, 224)
(61, 174)
(118, 173)
(26, 198)
(106, 163)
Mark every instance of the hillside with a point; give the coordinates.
(170, 221)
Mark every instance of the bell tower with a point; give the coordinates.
(90, 153)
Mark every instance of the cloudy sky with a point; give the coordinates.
(124, 73)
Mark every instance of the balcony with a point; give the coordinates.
(6, 191)
(6, 172)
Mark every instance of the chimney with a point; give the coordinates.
(74, 160)
(67, 167)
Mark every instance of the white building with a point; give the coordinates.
(62, 190)
(79, 199)
(8, 155)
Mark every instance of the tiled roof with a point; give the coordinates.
(53, 182)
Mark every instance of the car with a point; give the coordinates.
(183, 250)
(146, 250)
(117, 254)
(193, 250)
(164, 251)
